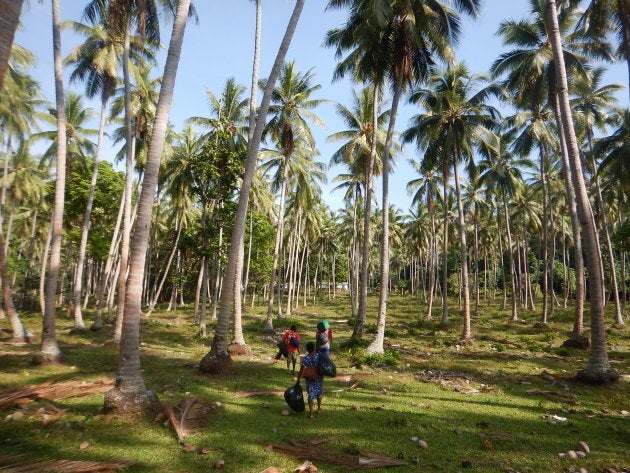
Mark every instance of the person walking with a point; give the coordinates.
(323, 337)
(314, 379)
(291, 340)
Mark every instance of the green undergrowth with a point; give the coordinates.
(508, 402)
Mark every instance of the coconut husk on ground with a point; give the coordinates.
(314, 450)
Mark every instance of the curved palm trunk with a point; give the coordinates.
(276, 280)
(510, 252)
(444, 289)
(20, 333)
(8, 24)
(130, 393)
(218, 359)
(598, 369)
(126, 234)
(577, 334)
(169, 262)
(357, 332)
(85, 227)
(50, 351)
(377, 343)
(465, 291)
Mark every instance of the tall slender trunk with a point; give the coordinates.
(465, 285)
(376, 346)
(357, 332)
(130, 393)
(444, 289)
(577, 333)
(510, 252)
(126, 234)
(598, 369)
(50, 351)
(85, 227)
(218, 359)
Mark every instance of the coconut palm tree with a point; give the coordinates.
(426, 189)
(218, 360)
(130, 393)
(598, 369)
(288, 127)
(356, 153)
(456, 109)
(96, 63)
(501, 172)
(590, 105)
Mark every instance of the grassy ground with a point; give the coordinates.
(505, 404)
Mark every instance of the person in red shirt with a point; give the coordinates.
(292, 341)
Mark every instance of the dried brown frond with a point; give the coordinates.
(554, 396)
(313, 450)
(61, 466)
(258, 393)
(191, 413)
(53, 391)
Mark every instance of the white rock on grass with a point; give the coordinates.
(422, 444)
(582, 447)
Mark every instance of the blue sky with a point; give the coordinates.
(221, 46)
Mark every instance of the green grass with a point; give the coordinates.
(473, 405)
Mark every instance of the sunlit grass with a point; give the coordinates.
(479, 408)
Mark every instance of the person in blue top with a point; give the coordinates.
(314, 387)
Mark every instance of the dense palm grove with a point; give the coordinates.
(521, 191)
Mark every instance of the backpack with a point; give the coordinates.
(294, 342)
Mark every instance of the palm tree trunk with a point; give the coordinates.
(577, 334)
(444, 289)
(50, 352)
(510, 253)
(376, 346)
(8, 24)
(218, 359)
(466, 336)
(357, 331)
(130, 393)
(85, 227)
(598, 369)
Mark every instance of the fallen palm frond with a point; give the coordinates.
(62, 466)
(313, 450)
(191, 413)
(554, 396)
(53, 391)
(46, 413)
(258, 393)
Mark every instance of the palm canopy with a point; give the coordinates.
(529, 67)
(499, 168)
(455, 110)
(291, 108)
(615, 150)
(396, 39)
(357, 138)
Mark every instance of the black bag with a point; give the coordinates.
(282, 346)
(294, 398)
(326, 366)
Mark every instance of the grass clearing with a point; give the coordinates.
(505, 404)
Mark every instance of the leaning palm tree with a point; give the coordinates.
(130, 393)
(598, 369)
(456, 110)
(218, 359)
